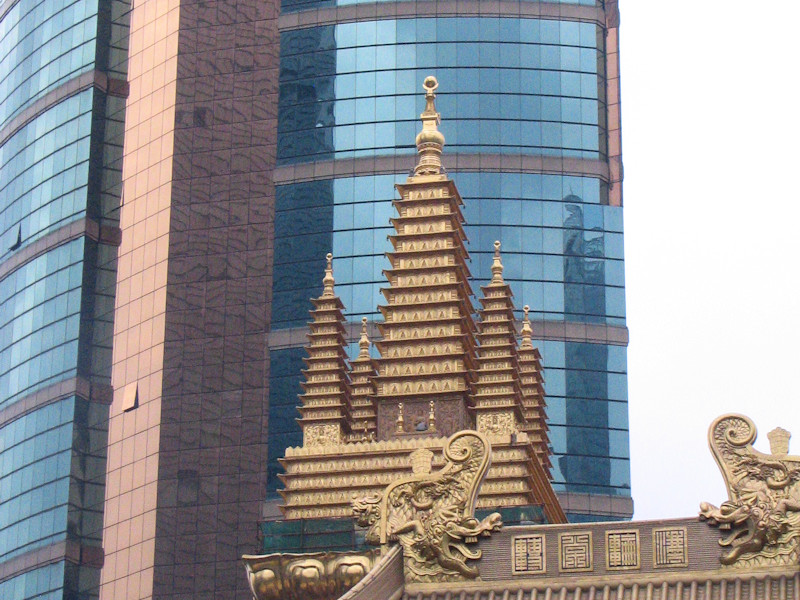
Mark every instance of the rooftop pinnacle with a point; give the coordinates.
(497, 265)
(527, 332)
(328, 281)
(430, 140)
(363, 343)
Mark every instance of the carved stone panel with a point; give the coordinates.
(670, 548)
(528, 554)
(622, 550)
(450, 416)
(575, 552)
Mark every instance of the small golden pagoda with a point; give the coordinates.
(326, 392)
(440, 370)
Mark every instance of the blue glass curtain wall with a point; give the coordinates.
(562, 252)
(44, 171)
(35, 463)
(44, 44)
(40, 313)
(44, 583)
(562, 248)
(523, 86)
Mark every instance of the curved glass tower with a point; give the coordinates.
(62, 88)
(529, 99)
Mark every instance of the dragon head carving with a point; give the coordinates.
(763, 507)
(431, 515)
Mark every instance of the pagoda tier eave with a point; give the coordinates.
(405, 236)
(438, 269)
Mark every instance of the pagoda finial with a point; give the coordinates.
(527, 331)
(497, 265)
(431, 416)
(430, 140)
(328, 281)
(363, 343)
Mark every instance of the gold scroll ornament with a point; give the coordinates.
(317, 576)
(763, 508)
(432, 515)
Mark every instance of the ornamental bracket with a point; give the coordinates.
(763, 508)
(432, 516)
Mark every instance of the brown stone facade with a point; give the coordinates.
(186, 459)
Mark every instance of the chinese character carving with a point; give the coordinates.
(622, 550)
(575, 551)
(528, 554)
(670, 548)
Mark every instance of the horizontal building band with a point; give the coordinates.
(72, 230)
(441, 8)
(75, 386)
(5, 6)
(96, 79)
(599, 505)
(567, 331)
(66, 550)
(484, 163)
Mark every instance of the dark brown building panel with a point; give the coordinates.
(187, 464)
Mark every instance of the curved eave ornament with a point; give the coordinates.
(432, 516)
(316, 576)
(762, 513)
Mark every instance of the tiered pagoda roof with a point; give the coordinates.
(432, 379)
(497, 401)
(363, 415)
(533, 399)
(428, 333)
(326, 395)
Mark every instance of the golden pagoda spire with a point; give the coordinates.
(428, 332)
(430, 141)
(527, 332)
(363, 422)
(325, 400)
(533, 399)
(497, 400)
(328, 280)
(363, 342)
(497, 265)
(430, 380)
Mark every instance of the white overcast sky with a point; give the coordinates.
(711, 147)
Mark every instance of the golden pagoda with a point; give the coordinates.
(326, 394)
(362, 390)
(451, 419)
(533, 402)
(439, 371)
(497, 401)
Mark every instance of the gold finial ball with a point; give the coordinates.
(526, 308)
(497, 245)
(364, 320)
(430, 83)
(329, 256)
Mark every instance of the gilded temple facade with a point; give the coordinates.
(440, 369)
(429, 545)
(425, 446)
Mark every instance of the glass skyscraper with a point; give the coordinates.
(529, 100)
(62, 88)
